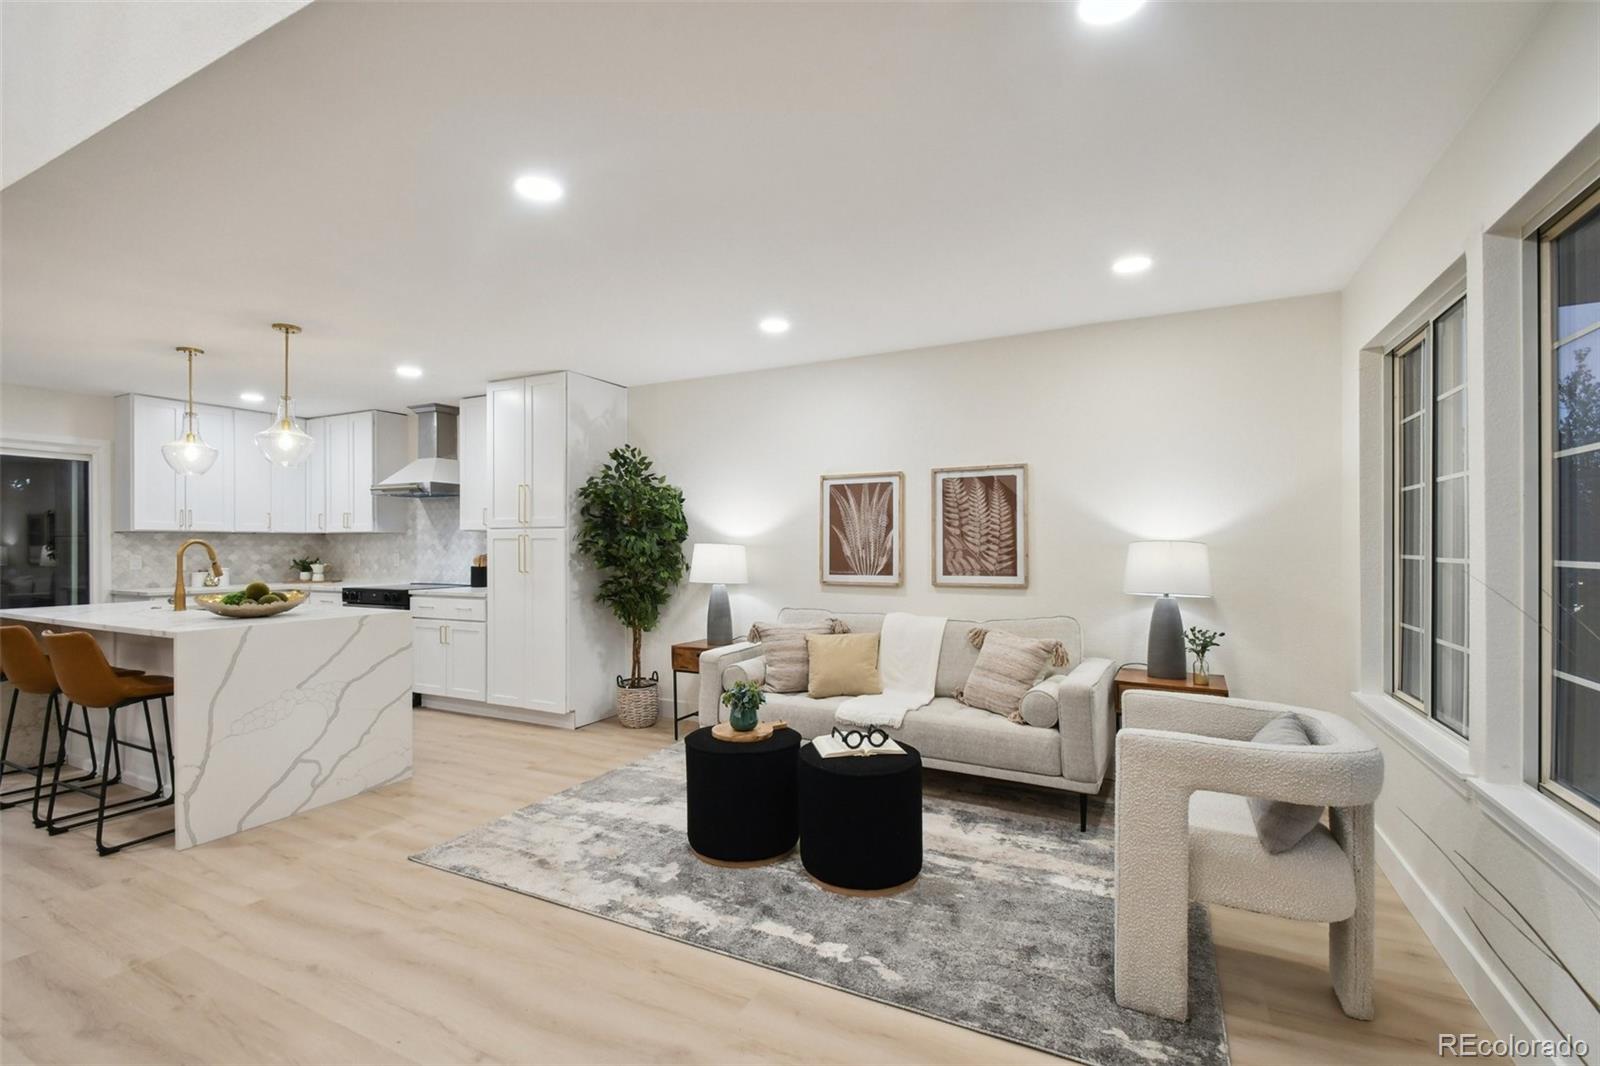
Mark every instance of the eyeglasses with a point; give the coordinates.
(854, 738)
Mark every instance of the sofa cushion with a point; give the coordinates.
(949, 730)
(1006, 669)
(1312, 881)
(1281, 825)
(784, 648)
(842, 664)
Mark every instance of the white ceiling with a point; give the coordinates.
(135, 49)
(886, 175)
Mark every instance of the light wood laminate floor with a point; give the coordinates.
(314, 940)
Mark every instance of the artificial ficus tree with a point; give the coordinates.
(632, 528)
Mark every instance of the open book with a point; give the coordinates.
(831, 747)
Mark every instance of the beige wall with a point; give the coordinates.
(26, 412)
(1480, 856)
(1221, 426)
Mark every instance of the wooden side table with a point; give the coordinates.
(1131, 678)
(685, 660)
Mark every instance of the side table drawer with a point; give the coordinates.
(686, 660)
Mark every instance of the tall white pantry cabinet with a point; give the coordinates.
(552, 649)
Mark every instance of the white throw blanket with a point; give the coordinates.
(908, 661)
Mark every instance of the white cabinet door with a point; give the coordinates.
(464, 643)
(509, 610)
(209, 496)
(341, 500)
(545, 559)
(506, 428)
(288, 491)
(316, 506)
(156, 492)
(430, 662)
(361, 471)
(472, 454)
(252, 474)
(547, 455)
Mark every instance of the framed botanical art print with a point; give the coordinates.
(863, 529)
(980, 526)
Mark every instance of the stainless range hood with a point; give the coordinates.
(435, 471)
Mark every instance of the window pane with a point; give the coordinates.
(1411, 592)
(1578, 392)
(1450, 349)
(1450, 519)
(44, 505)
(1450, 434)
(1577, 622)
(1411, 663)
(1576, 502)
(1575, 721)
(1575, 269)
(1450, 603)
(1450, 688)
(1411, 382)
(1411, 452)
(1411, 521)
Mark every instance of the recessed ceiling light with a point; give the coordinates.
(408, 371)
(774, 325)
(539, 188)
(251, 397)
(1106, 12)
(1132, 264)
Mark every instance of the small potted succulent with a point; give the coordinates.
(744, 702)
(303, 567)
(1200, 642)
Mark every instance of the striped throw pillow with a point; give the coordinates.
(1007, 667)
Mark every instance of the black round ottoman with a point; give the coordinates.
(861, 820)
(742, 806)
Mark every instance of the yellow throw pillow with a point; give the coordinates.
(843, 664)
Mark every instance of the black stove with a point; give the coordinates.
(397, 597)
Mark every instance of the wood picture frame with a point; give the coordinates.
(980, 526)
(862, 529)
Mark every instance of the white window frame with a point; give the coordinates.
(1564, 220)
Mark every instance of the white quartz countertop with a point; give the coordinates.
(158, 619)
(165, 591)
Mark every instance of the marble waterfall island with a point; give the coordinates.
(270, 716)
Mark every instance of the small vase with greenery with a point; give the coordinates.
(1200, 642)
(632, 527)
(303, 567)
(744, 702)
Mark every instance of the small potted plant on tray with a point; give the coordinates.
(303, 567)
(744, 702)
(1200, 642)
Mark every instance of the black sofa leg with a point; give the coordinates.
(1083, 812)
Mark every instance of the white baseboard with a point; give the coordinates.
(1503, 1004)
(492, 710)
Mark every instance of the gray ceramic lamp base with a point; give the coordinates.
(719, 620)
(1164, 655)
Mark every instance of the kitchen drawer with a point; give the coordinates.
(455, 608)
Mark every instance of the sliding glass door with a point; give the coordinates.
(44, 530)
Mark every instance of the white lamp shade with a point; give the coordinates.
(1167, 568)
(717, 564)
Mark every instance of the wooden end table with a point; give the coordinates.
(1132, 678)
(685, 660)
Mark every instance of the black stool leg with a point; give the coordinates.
(1083, 812)
(105, 780)
(145, 803)
(55, 775)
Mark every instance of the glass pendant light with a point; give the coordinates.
(284, 442)
(189, 455)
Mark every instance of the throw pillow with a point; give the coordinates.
(843, 664)
(784, 648)
(1006, 669)
(1279, 825)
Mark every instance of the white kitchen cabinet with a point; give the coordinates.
(147, 494)
(252, 474)
(448, 646)
(430, 662)
(288, 496)
(551, 649)
(359, 450)
(316, 505)
(337, 472)
(472, 456)
(466, 645)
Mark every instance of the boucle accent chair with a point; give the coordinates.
(1184, 832)
(1064, 743)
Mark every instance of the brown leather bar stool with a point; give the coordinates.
(27, 668)
(89, 681)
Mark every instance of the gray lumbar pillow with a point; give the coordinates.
(1279, 825)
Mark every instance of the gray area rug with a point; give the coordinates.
(1008, 931)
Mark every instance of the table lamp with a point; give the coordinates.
(1168, 569)
(718, 565)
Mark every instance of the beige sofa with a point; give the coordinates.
(1071, 755)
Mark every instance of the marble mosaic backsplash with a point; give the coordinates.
(431, 549)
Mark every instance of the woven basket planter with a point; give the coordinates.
(636, 707)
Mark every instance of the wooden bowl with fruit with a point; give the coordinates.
(255, 600)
